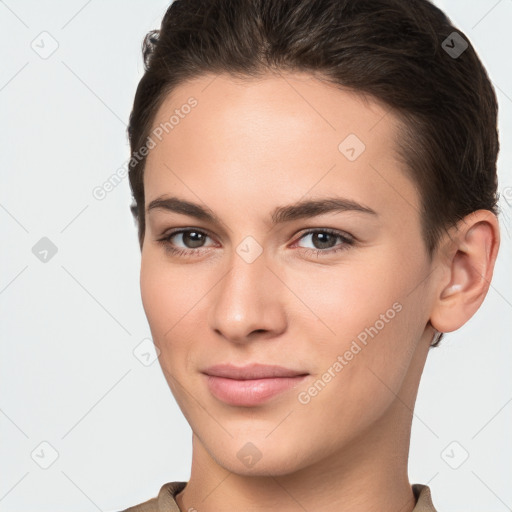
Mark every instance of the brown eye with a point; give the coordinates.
(324, 241)
(191, 239)
(191, 243)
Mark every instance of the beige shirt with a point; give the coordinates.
(165, 501)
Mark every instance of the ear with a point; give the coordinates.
(470, 251)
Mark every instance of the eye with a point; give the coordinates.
(193, 239)
(324, 241)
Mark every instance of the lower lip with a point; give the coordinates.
(250, 392)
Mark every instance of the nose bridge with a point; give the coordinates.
(246, 298)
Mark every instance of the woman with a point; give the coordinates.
(314, 184)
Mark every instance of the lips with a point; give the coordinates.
(250, 385)
(251, 371)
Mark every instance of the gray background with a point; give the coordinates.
(73, 332)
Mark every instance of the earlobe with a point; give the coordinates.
(468, 271)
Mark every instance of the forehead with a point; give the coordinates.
(277, 138)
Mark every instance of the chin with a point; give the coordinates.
(258, 457)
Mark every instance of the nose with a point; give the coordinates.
(247, 303)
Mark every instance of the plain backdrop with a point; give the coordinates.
(86, 423)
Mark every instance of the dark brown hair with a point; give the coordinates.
(401, 52)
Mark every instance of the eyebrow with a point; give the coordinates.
(281, 214)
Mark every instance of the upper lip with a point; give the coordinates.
(251, 371)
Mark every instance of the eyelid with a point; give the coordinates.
(336, 232)
(177, 231)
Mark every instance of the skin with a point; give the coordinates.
(245, 149)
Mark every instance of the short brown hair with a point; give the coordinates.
(397, 51)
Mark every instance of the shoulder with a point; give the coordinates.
(423, 498)
(164, 502)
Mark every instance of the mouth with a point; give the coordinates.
(250, 385)
(252, 371)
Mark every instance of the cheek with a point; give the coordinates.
(164, 297)
(346, 298)
(153, 294)
(360, 368)
(364, 311)
(175, 304)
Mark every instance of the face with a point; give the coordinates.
(336, 291)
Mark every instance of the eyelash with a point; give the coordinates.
(347, 242)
